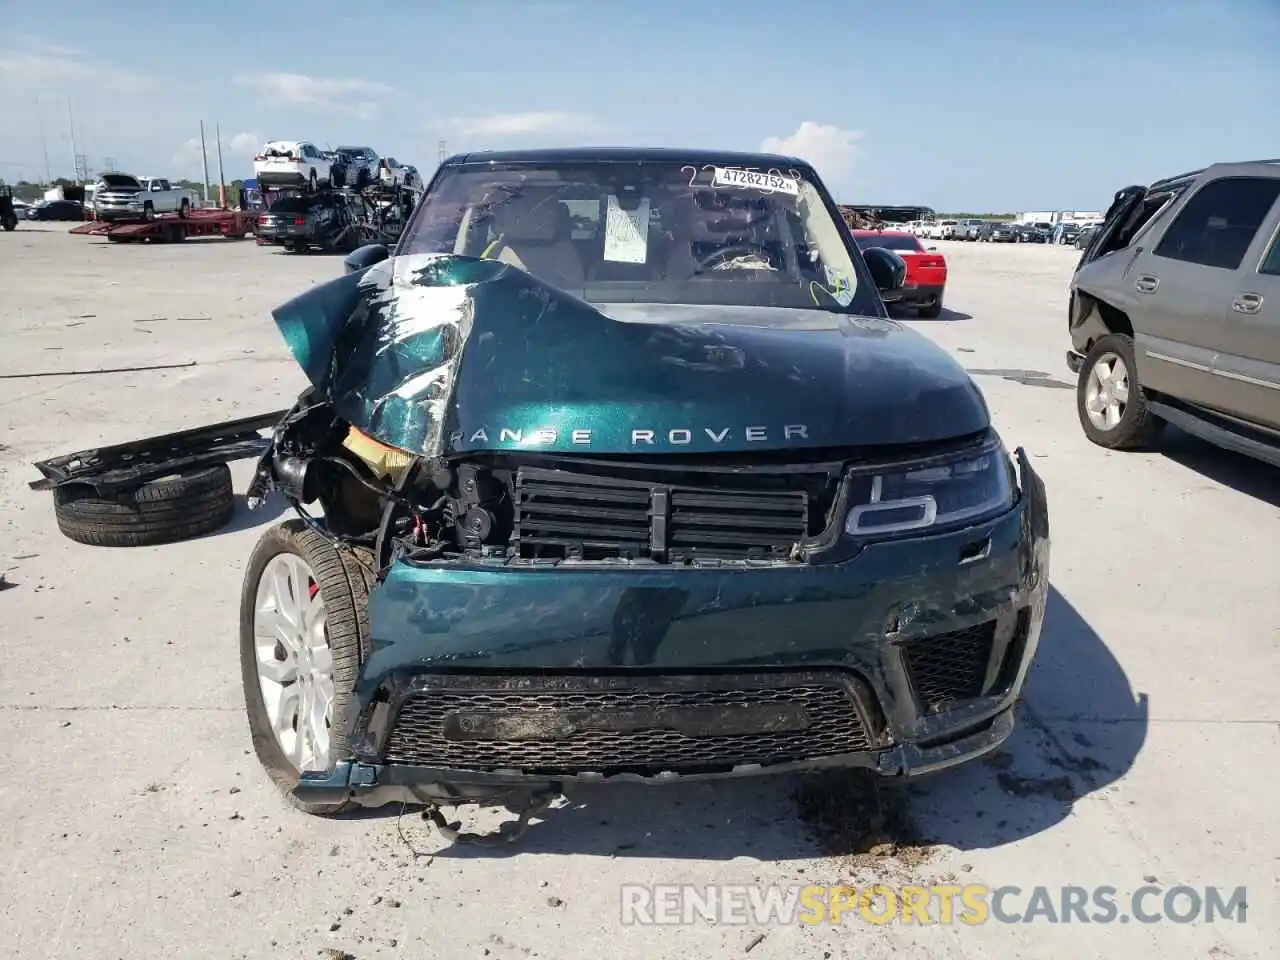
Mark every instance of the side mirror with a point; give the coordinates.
(888, 270)
(364, 257)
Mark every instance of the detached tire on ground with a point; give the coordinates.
(304, 633)
(1109, 400)
(179, 507)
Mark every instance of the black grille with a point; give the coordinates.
(948, 667)
(565, 514)
(565, 725)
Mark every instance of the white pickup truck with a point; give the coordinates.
(118, 196)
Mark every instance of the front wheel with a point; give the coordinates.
(1109, 400)
(304, 632)
(148, 211)
(184, 209)
(10, 224)
(312, 183)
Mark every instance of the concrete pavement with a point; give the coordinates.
(137, 823)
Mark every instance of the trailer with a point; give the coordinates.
(375, 213)
(232, 224)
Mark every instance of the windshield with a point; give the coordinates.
(649, 232)
(888, 242)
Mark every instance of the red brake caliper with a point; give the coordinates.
(312, 589)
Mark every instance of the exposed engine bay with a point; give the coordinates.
(536, 508)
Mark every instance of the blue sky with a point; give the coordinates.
(985, 105)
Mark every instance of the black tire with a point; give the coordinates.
(931, 312)
(186, 505)
(1137, 426)
(184, 209)
(344, 578)
(313, 185)
(148, 211)
(10, 224)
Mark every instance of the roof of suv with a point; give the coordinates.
(1273, 166)
(627, 155)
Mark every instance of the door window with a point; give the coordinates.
(1218, 224)
(1271, 262)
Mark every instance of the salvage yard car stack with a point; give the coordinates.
(739, 522)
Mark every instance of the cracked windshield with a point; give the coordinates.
(561, 481)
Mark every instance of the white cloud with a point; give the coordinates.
(831, 150)
(244, 144)
(32, 67)
(361, 98)
(500, 125)
(237, 151)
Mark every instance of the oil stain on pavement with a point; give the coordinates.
(1028, 378)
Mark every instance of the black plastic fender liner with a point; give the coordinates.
(187, 504)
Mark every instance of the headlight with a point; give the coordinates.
(891, 500)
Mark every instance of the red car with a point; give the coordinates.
(926, 270)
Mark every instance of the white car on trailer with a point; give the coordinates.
(292, 163)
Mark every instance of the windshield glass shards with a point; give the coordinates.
(649, 232)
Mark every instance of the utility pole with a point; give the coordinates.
(71, 126)
(204, 157)
(222, 180)
(44, 143)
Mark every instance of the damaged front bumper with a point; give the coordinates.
(907, 659)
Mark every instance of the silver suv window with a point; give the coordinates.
(1216, 226)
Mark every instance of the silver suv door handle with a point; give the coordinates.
(1247, 303)
(1146, 283)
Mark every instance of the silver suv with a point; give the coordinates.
(1175, 312)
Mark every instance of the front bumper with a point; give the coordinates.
(111, 212)
(905, 660)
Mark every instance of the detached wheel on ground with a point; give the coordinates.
(1109, 399)
(179, 507)
(304, 632)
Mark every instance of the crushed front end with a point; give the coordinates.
(553, 606)
(650, 624)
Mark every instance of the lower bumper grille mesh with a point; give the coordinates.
(948, 667)
(567, 725)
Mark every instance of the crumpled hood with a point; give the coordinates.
(441, 354)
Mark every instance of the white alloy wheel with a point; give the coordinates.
(1107, 391)
(295, 664)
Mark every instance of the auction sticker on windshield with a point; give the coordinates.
(770, 182)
